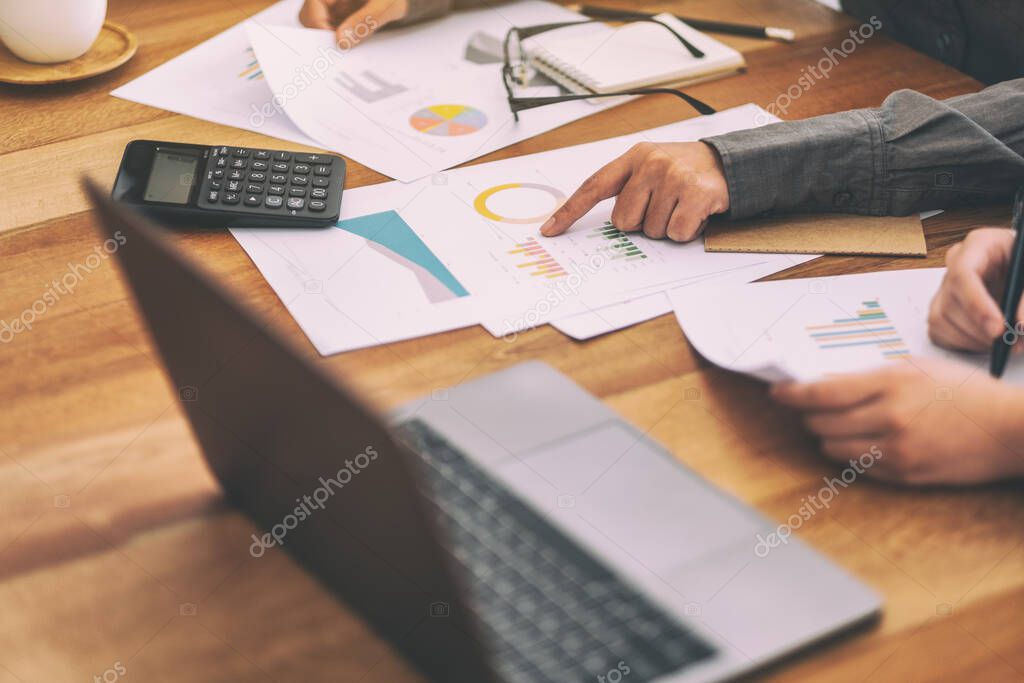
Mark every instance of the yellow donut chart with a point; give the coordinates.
(480, 203)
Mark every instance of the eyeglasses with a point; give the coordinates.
(517, 71)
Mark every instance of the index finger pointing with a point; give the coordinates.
(606, 183)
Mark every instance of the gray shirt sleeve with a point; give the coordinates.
(913, 153)
(421, 10)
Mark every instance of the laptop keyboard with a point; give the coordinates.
(550, 611)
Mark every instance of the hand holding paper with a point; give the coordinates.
(352, 20)
(867, 375)
(926, 423)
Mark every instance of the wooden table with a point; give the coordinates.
(119, 557)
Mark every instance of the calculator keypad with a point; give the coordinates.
(271, 182)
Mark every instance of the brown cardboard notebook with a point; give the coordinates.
(819, 234)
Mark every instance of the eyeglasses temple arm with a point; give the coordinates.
(533, 102)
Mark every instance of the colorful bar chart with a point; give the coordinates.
(252, 71)
(870, 327)
(536, 260)
(619, 246)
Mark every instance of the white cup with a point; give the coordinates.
(50, 31)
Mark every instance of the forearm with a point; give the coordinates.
(1011, 421)
(1008, 428)
(911, 154)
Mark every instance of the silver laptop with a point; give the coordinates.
(512, 528)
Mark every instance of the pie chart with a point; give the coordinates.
(448, 120)
(526, 203)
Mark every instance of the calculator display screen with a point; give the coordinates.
(172, 176)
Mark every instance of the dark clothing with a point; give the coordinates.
(421, 10)
(982, 38)
(911, 154)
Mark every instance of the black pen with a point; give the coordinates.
(1014, 287)
(771, 32)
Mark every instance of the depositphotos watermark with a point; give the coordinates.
(309, 503)
(113, 674)
(61, 287)
(811, 74)
(1013, 333)
(615, 674)
(810, 505)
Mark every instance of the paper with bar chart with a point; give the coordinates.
(463, 247)
(869, 327)
(536, 260)
(810, 328)
(501, 258)
(220, 80)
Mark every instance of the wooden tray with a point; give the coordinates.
(114, 46)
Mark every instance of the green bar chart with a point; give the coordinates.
(619, 245)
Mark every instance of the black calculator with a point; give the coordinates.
(204, 186)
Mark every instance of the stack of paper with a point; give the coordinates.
(462, 248)
(450, 249)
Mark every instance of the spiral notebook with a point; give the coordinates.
(600, 58)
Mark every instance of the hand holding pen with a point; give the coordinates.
(966, 313)
(1012, 293)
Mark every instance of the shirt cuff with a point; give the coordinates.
(830, 163)
(421, 10)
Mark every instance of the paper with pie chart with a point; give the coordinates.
(407, 120)
(294, 85)
(448, 120)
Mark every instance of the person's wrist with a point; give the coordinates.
(730, 181)
(719, 181)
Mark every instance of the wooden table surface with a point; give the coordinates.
(118, 556)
